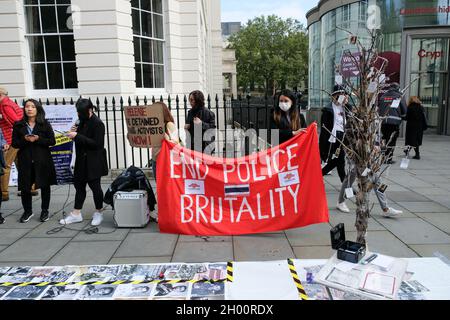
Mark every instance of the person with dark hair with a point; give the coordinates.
(198, 121)
(90, 162)
(416, 124)
(286, 116)
(334, 120)
(392, 107)
(34, 136)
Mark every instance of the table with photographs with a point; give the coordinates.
(427, 278)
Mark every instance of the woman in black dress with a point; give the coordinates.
(415, 126)
(34, 136)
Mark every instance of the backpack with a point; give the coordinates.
(131, 179)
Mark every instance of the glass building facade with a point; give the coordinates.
(415, 39)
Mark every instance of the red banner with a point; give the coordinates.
(277, 189)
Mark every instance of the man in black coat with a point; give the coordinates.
(90, 162)
(392, 106)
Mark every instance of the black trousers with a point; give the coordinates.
(338, 162)
(388, 131)
(80, 195)
(26, 196)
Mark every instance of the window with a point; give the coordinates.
(50, 37)
(148, 37)
(345, 16)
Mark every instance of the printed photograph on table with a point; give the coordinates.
(4, 290)
(62, 293)
(171, 291)
(201, 289)
(98, 292)
(97, 273)
(214, 271)
(17, 275)
(184, 271)
(133, 291)
(25, 293)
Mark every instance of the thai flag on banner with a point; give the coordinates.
(273, 190)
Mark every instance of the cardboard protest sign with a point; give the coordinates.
(145, 125)
(276, 189)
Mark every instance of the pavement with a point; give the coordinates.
(423, 230)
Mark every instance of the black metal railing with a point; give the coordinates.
(231, 113)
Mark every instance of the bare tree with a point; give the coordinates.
(362, 139)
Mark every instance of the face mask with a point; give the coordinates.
(83, 114)
(285, 106)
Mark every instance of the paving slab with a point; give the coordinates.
(443, 200)
(314, 252)
(431, 191)
(428, 250)
(22, 264)
(140, 260)
(349, 219)
(415, 231)
(386, 243)
(439, 220)
(107, 231)
(401, 196)
(152, 227)
(203, 252)
(417, 207)
(315, 235)
(3, 248)
(262, 247)
(33, 249)
(184, 238)
(85, 253)
(147, 245)
(12, 221)
(51, 226)
(9, 236)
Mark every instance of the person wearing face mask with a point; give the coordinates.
(90, 162)
(33, 136)
(286, 117)
(333, 119)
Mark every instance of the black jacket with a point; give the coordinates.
(34, 155)
(208, 122)
(415, 125)
(285, 132)
(393, 115)
(90, 161)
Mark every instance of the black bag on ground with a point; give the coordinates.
(131, 179)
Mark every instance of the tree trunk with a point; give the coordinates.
(362, 210)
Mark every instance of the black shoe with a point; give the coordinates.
(391, 162)
(26, 216)
(44, 216)
(417, 157)
(2, 220)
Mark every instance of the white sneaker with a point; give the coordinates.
(97, 219)
(392, 213)
(154, 215)
(71, 218)
(342, 207)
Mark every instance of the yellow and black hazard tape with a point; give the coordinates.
(301, 291)
(230, 272)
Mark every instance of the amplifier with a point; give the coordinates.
(131, 209)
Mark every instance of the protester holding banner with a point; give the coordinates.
(332, 132)
(199, 120)
(10, 113)
(286, 117)
(90, 161)
(34, 136)
(3, 146)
